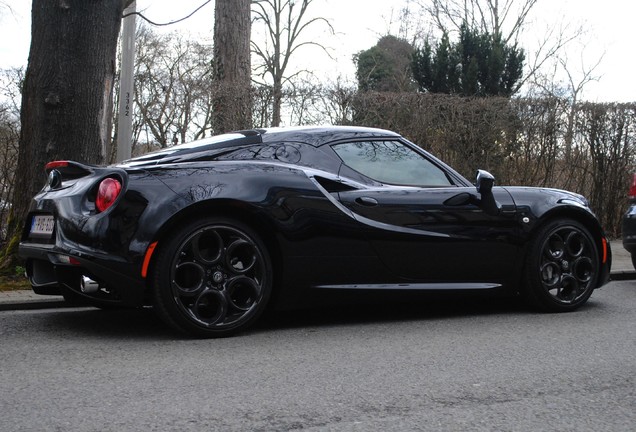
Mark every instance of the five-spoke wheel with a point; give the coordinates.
(562, 268)
(212, 278)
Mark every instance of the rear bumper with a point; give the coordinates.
(50, 268)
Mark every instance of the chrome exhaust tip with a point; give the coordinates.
(88, 285)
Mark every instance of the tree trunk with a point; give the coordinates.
(67, 97)
(232, 28)
(276, 104)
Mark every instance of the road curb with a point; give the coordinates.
(623, 275)
(33, 304)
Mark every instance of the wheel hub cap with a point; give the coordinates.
(217, 277)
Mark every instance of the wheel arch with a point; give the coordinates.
(584, 217)
(577, 214)
(233, 209)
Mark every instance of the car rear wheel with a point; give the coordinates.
(212, 278)
(562, 268)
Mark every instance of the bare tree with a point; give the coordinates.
(329, 103)
(5, 6)
(566, 82)
(505, 18)
(548, 48)
(337, 103)
(174, 88)
(284, 21)
(232, 30)
(606, 134)
(11, 81)
(576, 84)
(67, 94)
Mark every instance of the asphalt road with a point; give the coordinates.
(440, 366)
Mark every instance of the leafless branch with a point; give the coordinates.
(285, 22)
(142, 16)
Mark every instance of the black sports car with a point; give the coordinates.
(213, 231)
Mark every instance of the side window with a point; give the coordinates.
(391, 162)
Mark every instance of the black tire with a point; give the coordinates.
(562, 267)
(633, 260)
(212, 277)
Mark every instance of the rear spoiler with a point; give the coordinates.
(69, 169)
(62, 170)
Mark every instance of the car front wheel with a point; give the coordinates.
(212, 278)
(562, 268)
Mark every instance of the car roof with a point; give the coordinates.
(312, 135)
(319, 135)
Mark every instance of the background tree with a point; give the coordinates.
(11, 81)
(67, 97)
(478, 64)
(606, 135)
(385, 66)
(174, 87)
(567, 82)
(436, 72)
(232, 68)
(284, 22)
(505, 18)
(4, 7)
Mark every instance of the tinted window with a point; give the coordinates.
(391, 162)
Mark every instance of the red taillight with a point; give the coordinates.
(632, 189)
(107, 193)
(55, 164)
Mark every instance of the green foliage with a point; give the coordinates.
(385, 66)
(478, 64)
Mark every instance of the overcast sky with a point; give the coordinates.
(358, 24)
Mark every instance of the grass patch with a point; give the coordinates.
(14, 283)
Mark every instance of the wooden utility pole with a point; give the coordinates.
(124, 119)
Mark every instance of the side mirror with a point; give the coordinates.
(485, 182)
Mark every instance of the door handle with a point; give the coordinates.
(367, 201)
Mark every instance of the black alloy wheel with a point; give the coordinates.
(563, 267)
(212, 278)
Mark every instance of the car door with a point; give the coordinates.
(423, 224)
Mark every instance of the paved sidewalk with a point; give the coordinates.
(27, 299)
(622, 269)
